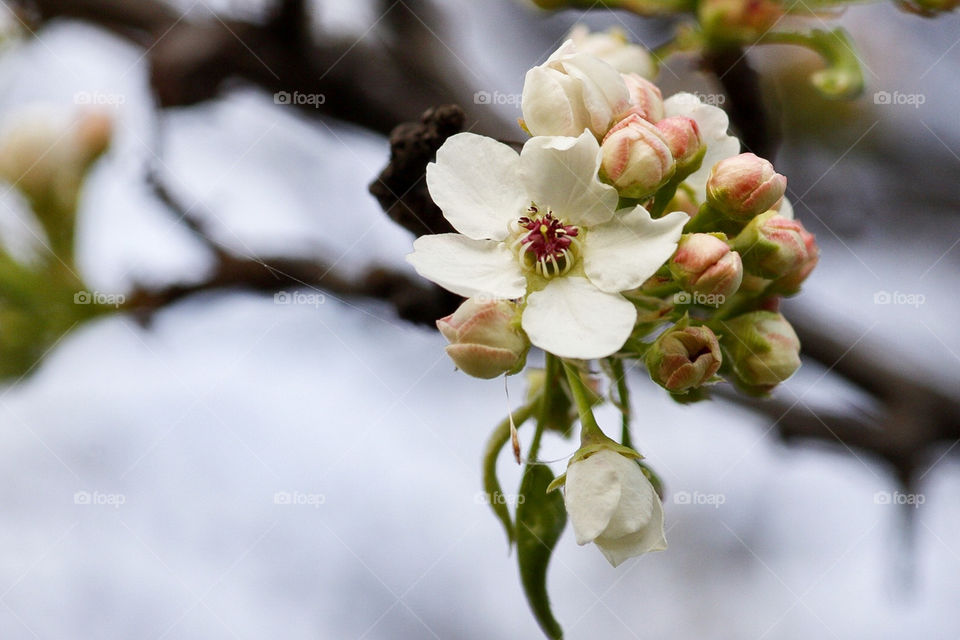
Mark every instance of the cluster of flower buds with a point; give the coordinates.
(645, 150)
(706, 238)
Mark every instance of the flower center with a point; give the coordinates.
(544, 244)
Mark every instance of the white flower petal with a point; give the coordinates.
(476, 183)
(571, 318)
(786, 209)
(604, 92)
(551, 103)
(468, 267)
(591, 495)
(650, 538)
(621, 254)
(561, 173)
(635, 509)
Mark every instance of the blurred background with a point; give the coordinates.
(249, 429)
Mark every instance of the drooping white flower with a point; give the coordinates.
(612, 504)
(614, 48)
(45, 152)
(570, 92)
(713, 124)
(540, 225)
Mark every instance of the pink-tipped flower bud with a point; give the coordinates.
(764, 349)
(790, 283)
(683, 137)
(744, 186)
(773, 246)
(705, 264)
(646, 100)
(684, 358)
(485, 339)
(636, 158)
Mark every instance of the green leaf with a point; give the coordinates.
(541, 518)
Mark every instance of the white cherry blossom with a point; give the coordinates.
(540, 226)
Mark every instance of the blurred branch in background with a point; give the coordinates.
(380, 87)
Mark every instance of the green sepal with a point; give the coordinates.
(588, 450)
(558, 482)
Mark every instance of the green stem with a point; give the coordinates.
(623, 399)
(663, 290)
(590, 431)
(740, 304)
(706, 219)
(500, 437)
(551, 385)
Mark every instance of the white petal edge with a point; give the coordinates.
(651, 538)
(621, 254)
(468, 267)
(561, 173)
(571, 318)
(591, 495)
(476, 183)
(786, 209)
